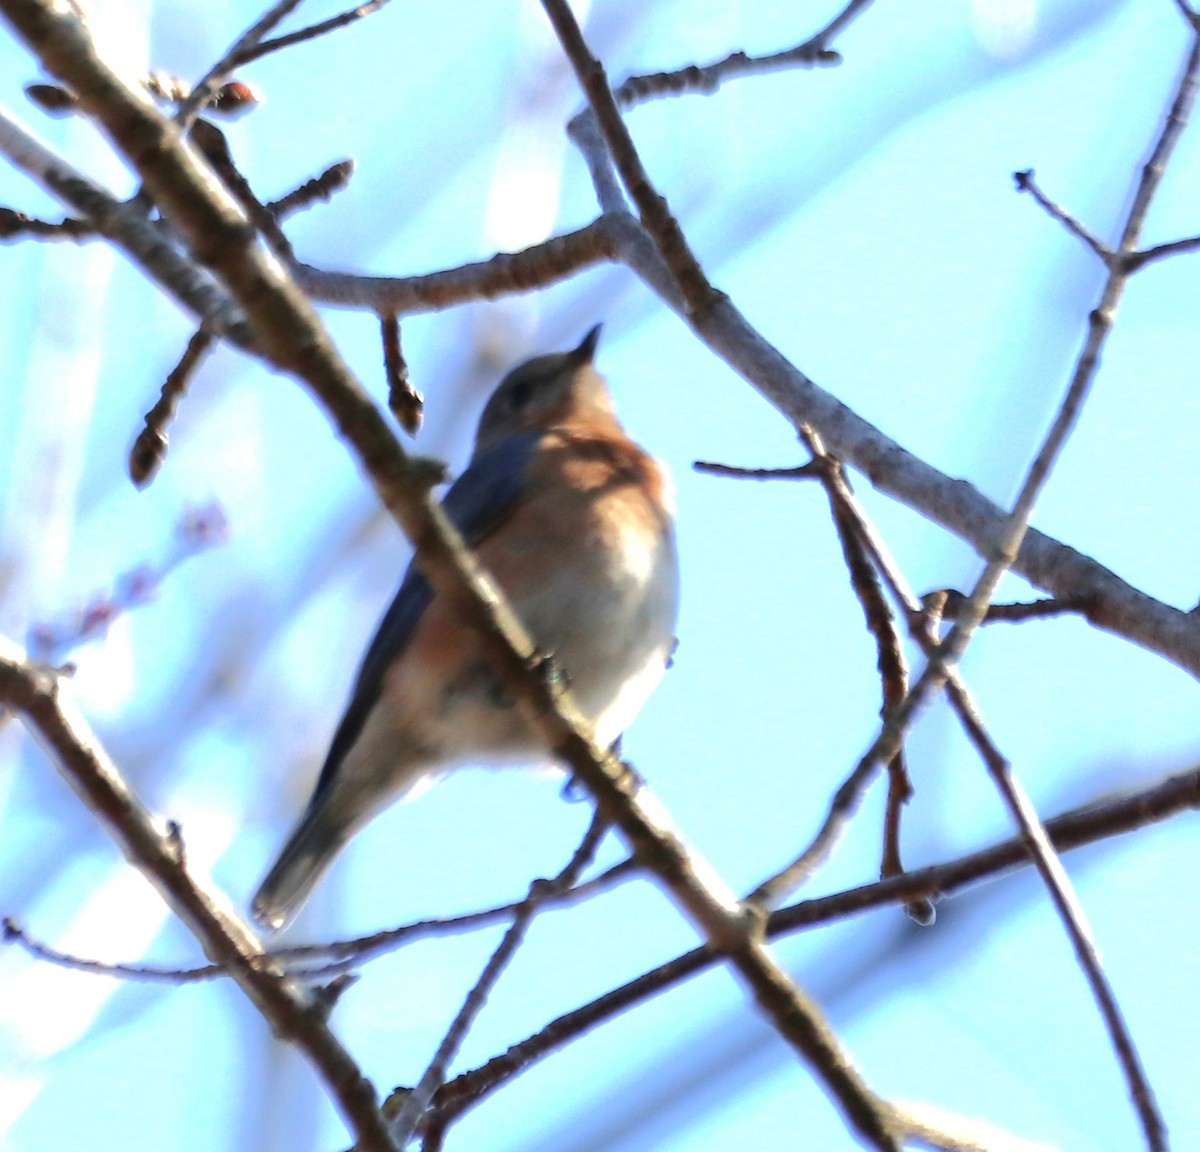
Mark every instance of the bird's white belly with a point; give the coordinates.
(608, 623)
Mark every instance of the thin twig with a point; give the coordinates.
(939, 604)
(324, 960)
(406, 403)
(338, 954)
(414, 1104)
(150, 447)
(1026, 183)
(1070, 911)
(209, 84)
(808, 471)
(703, 79)
(944, 603)
(277, 43)
(16, 225)
(893, 669)
(251, 46)
(1144, 256)
(706, 79)
(319, 189)
(215, 149)
(848, 797)
(13, 933)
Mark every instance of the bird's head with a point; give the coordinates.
(543, 391)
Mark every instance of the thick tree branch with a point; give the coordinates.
(157, 852)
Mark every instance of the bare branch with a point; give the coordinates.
(155, 851)
(1026, 183)
(13, 933)
(215, 149)
(206, 90)
(706, 79)
(1045, 859)
(1070, 911)
(892, 667)
(406, 403)
(416, 1101)
(16, 225)
(150, 447)
(945, 603)
(333, 958)
(277, 43)
(1140, 259)
(698, 294)
(504, 274)
(319, 189)
(127, 229)
(809, 471)
(1080, 826)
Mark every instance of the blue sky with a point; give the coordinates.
(864, 218)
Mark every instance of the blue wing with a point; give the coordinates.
(478, 501)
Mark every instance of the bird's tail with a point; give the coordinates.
(310, 850)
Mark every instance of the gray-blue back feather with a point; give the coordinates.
(477, 502)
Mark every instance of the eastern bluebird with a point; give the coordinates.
(574, 521)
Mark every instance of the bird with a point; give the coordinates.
(575, 522)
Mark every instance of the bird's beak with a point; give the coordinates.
(587, 346)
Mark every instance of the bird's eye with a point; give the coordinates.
(518, 395)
